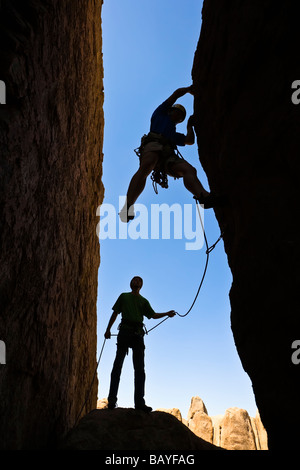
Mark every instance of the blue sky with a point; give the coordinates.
(148, 51)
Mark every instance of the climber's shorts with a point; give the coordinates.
(167, 156)
(152, 147)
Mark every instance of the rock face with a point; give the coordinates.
(248, 137)
(237, 431)
(129, 429)
(50, 186)
(198, 420)
(233, 431)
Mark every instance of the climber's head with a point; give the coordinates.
(177, 113)
(136, 283)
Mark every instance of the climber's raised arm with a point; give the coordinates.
(179, 93)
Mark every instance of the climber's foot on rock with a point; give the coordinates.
(145, 408)
(112, 405)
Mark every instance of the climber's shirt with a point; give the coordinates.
(133, 309)
(161, 123)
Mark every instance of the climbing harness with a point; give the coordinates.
(159, 175)
(135, 328)
(207, 252)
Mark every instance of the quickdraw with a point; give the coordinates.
(161, 178)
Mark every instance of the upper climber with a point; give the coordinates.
(158, 153)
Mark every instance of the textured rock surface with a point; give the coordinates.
(197, 405)
(201, 425)
(248, 137)
(50, 186)
(173, 411)
(261, 437)
(235, 430)
(129, 429)
(198, 420)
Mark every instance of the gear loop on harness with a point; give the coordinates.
(159, 177)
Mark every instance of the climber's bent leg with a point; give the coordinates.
(148, 162)
(191, 182)
(137, 184)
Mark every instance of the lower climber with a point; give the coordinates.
(131, 335)
(158, 154)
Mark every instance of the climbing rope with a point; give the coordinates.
(92, 382)
(207, 252)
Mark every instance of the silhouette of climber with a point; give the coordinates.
(158, 152)
(131, 335)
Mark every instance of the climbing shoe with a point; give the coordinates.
(111, 405)
(126, 214)
(145, 408)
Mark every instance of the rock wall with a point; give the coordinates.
(235, 430)
(50, 186)
(127, 429)
(248, 137)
